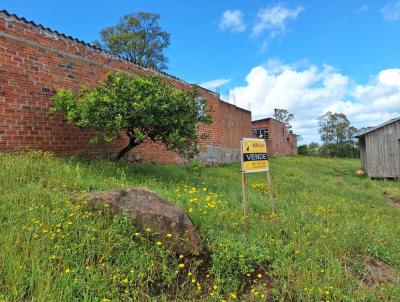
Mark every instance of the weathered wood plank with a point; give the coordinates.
(380, 151)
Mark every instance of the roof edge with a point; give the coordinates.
(266, 119)
(371, 129)
(240, 108)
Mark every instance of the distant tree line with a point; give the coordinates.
(337, 136)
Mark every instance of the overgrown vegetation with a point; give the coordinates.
(331, 230)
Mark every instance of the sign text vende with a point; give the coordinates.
(255, 156)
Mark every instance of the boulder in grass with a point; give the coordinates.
(168, 222)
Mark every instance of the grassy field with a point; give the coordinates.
(332, 235)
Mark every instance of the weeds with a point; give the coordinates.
(53, 248)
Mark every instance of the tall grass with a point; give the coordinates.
(53, 248)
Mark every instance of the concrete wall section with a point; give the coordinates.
(219, 155)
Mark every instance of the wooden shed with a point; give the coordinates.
(380, 150)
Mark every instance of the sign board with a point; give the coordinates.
(254, 155)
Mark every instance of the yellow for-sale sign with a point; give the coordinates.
(254, 155)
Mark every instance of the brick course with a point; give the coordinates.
(36, 61)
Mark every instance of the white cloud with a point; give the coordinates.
(308, 91)
(363, 9)
(232, 20)
(391, 11)
(274, 19)
(213, 84)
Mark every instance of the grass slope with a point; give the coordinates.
(329, 225)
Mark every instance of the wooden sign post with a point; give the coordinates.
(254, 159)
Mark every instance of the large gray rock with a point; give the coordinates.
(147, 210)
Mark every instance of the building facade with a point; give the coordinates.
(36, 61)
(279, 140)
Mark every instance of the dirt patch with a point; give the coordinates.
(379, 272)
(372, 272)
(392, 200)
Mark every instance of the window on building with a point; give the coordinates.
(261, 133)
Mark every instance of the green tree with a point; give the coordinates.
(142, 107)
(283, 116)
(336, 133)
(313, 149)
(139, 38)
(303, 150)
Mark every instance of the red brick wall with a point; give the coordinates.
(280, 141)
(235, 125)
(35, 62)
(293, 142)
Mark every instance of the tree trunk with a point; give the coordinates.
(132, 143)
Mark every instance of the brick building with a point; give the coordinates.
(279, 140)
(36, 61)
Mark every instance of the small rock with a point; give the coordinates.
(168, 222)
(134, 157)
(360, 172)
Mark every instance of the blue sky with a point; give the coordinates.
(304, 56)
